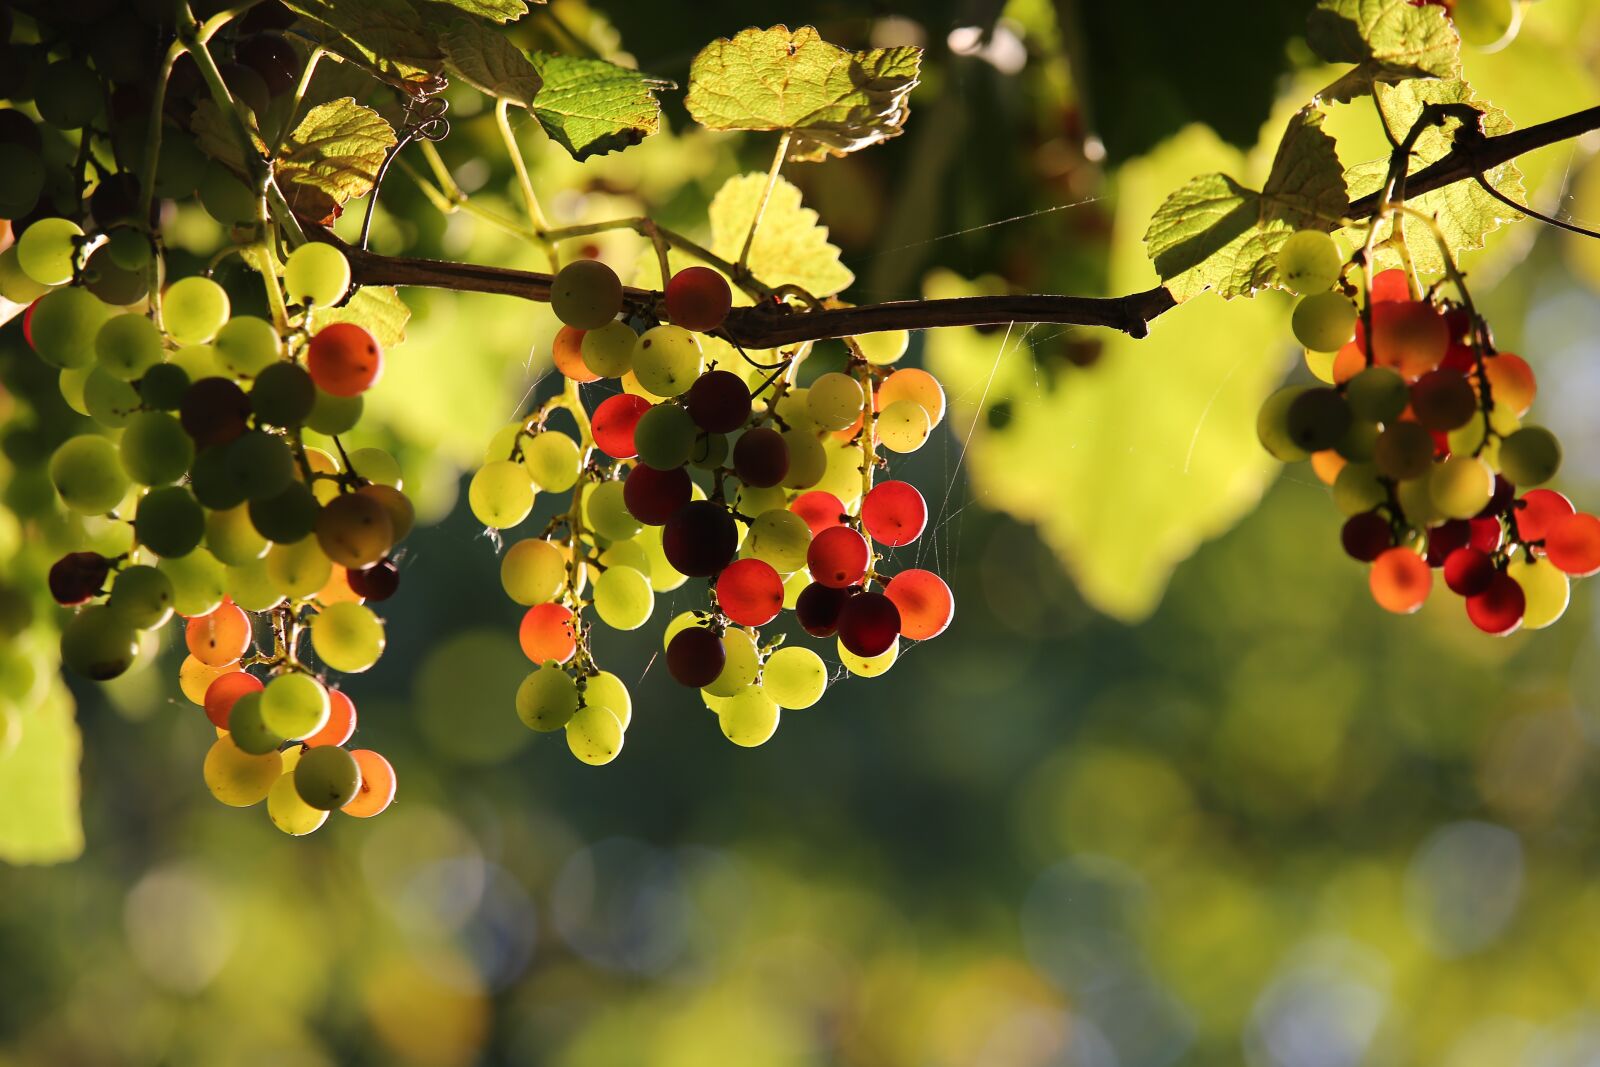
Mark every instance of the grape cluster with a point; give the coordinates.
(1418, 429)
(707, 466)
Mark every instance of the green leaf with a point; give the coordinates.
(1388, 41)
(496, 10)
(391, 38)
(1464, 212)
(489, 63)
(333, 155)
(791, 247)
(377, 309)
(214, 133)
(832, 100)
(1215, 233)
(39, 821)
(1128, 465)
(591, 107)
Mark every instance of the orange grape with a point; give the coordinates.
(1400, 580)
(377, 785)
(221, 637)
(546, 633)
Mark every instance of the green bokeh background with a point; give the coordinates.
(1265, 824)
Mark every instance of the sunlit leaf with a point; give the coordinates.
(333, 155)
(377, 309)
(392, 38)
(591, 107)
(498, 10)
(1388, 41)
(791, 246)
(39, 821)
(489, 63)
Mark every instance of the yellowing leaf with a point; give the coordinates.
(791, 247)
(833, 100)
(489, 63)
(377, 309)
(591, 107)
(1388, 41)
(332, 156)
(39, 821)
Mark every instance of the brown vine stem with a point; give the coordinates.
(770, 325)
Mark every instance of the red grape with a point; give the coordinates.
(817, 608)
(1486, 534)
(1390, 285)
(761, 457)
(698, 298)
(378, 582)
(76, 577)
(838, 557)
(700, 539)
(1365, 536)
(926, 606)
(869, 624)
(341, 722)
(653, 496)
(1538, 511)
(214, 411)
(1499, 608)
(821, 510)
(614, 422)
(224, 691)
(1573, 544)
(894, 513)
(1468, 571)
(1445, 538)
(546, 633)
(719, 401)
(344, 359)
(695, 657)
(750, 592)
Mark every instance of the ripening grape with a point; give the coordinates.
(1511, 381)
(665, 436)
(340, 725)
(377, 788)
(566, 352)
(1460, 486)
(838, 557)
(719, 401)
(695, 656)
(327, 777)
(741, 663)
(246, 345)
(749, 717)
(868, 666)
(169, 522)
(608, 350)
(903, 426)
(88, 474)
(501, 494)
(219, 638)
(1572, 543)
(894, 513)
(249, 728)
(1400, 580)
(1530, 456)
(238, 778)
(750, 592)
(287, 811)
(926, 606)
(1443, 399)
(547, 699)
(586, 294)
(1403, 450)
(316, 275)
(883, 348)
(295, 705)
(1309, 262)
(194, 678)
(154, 450)
(667, 360)
(623, 598)
(98, 643)
(395, 504)
(233, 538)
(347, 637)
(344, 360)
(196, 579)
(193, 309)
(1324, 322)
(1409, 335)
(614, 423)
(607, 690)
(547, 633)
(1546, 591)
(47, 250)
(142, 597)
(128, 345)
(912, 383)
(698, 298)
(354, 530)
(594, 734)
(225, 691)
(834, 401)
(533, 571)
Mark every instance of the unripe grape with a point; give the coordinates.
(347, 637)
(233, 538)
(295, 705)
(142, 597)
(533, 571)
(868, 666)
(741, 663)
(607, 350)
(1545, 589)
(238, 778)
(287, 811)
(1309, 262)
(163, 386)
(667, 360)
(327, 777)
(316, 275)
(547, 699)
(1403, 450)
(794, 677)
(283, 394)
(594, 734)
(334, 415)
(249, 728)
(749, 717)
(87, 474)
(606, 511)
(98, 643)
(607, 690)
(780, 538)
(193, 309)
(665, 437)
(501, 494)
(553, 460)
(623, 598)
(1324, 322)
(903, 426)
(586, 294)
(63, 324)
(1460, 486)
(1357, 489)
(127, 345)
(1377, 394)
(1530, 456)
(883, 348)
(47, 250)
(834, 401)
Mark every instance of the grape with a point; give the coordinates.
(911, 383)
(154, 449)
(376, 465)
(1443, 399)
(894, 513)
(316, 275)
(834, 401)
(77, 578)
(1324, 322)
(808, 461)
(553, 461)
(377, 788)
(246, 346)
(196, 582)
(1460, 486)
(1309, 262)
(667, 360)
(903, 426)
(334, 415)
(749, 500)
(1499, 608)
(21, 182)
(249, 729)
(614, 424)
(780, 538)
(377, 582)
(1546, 591)
(224, 692)
(214, 411)
(700, 539)
(232, 537)
(110, 401)
(88, 474)
(1572, 543)
(594, 734)
(664, 437)
(327, 777)
(71, 383)
(48, 250)
(868, 667)
(224, 197)
(547, 699)
(238, 778)
(287, 517)
(838, 557)
(1318, 419)
(741, 663)
(219, 638)
(1363, 537)
(127, 345)
(761, 457)
(1403, 450)
(533, 571)
(1511, 381)
(341, 723)
(344, 360)
(283, 395)
(1467, 570)
(926, 606)
(193, 309)
(623, 598)
(348, 637)
(547, 633)
(719, 401)
(566, 352)
(1538, 511)
(817, 608)
(710, 451)
(794, 678)
(1530, 456)
(63, 324)
(868, 624)
(294, 705)
(142, 597)
(1408, 335)
(354, 530)
(750, 592)
(749, 717)
(607, 690)
(195, 677)
(1377, 394)
(820, 510)
(695, 657)
(285, 808)
(258, 465)
(586, 294)
(606, 511)
(254, 586)
(1357, 488)
(1400, 580)
(501, 494)
(664, 577)
(608, 350)
(654, 496)
(698, 298)
(163, 386)
(15, 285)
(883, 348)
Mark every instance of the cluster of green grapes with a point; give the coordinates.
(708, 466)
(1418, 429)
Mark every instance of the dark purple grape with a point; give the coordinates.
(77, 577)
(700, 539)
(818, 608)
(214, 411)
(695, 657)
(761, 457)
(377, 582)
(868, 624)
(653, 496)
(719, 402)
(1365, 536)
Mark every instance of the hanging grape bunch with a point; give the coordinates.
(717, 470)
(1419, 431)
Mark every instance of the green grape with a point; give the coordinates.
(98, 643)
(376, 466)
(1545, 589)
(1483, 23)
(284, 807)
(299, 569)
(781, 538)
(334, 415)
(1377, 394)
(503, 442)
(129, 249)
(68, 95)
(594, 734)
(15, 285)
(793, 586)
(903, 426)
(1357, 489)
(48, 250)
(246, 346)
(1358, 441)
(533, 571)
(214, 481)
(283, 395)
(261, 464)
(294, 705)
(232, 538)
(21, 182)
(808, 461)
(193, 309)
(834, 401)
(154, 448)
(743, 665)
(623, 598)
(749, 718)
(680, 622)
(1272, 425)
(225, 198)
(586, 294)
(501, 494)
(348, 637)
(607, 515)
(664, 577)
(793, 409)
(710, 451)
(239, 778)
(247, 725)
(1530, 456)
(1324, 322)
(64, 325)
(252, 586)
(607, 690)
(198, 361)
(128, 345)
(287, 517)
(869, 667)
(665, 437)
(794, 677)
(547, 699)
(316, 275)
(1460, 486)
(608, 350)
(197, 582)
(327, 777)
(883, 348)
(163, 386)
(110, 400)
(553, 461)
(1309, 262)
(169, 522)
(88, 474)
(1416, 501)
(143, 597)
(626, 554)
(71, 383)
(754, 501)
(667, 360)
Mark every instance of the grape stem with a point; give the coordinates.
(536, 217)
(766, 194)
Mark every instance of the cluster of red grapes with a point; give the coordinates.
(1419, 432)
(707, 466)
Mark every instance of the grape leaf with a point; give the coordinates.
(377, 309)
(1128, 465)
(791, 247)
(214, 133)
(391, 38)
(489, 63)
(1464, 212)
(332, 156)
(495, 10)
(1388, 41)
(832, 100)
(591, 107)
(1216, 233)
(39, 822)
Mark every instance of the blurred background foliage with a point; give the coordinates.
(1106, 822)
